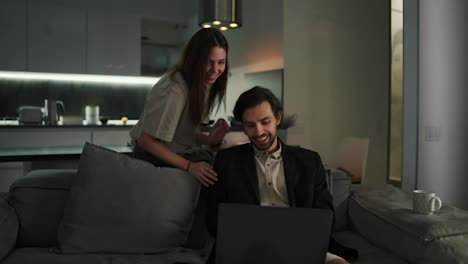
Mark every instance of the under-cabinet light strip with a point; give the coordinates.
(82, 78)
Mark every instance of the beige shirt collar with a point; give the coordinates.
(263, 154)
(271, 178)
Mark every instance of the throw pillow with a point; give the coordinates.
(8, 227)
(118, 204)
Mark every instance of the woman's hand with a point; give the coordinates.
(203, 172)
(217, 132)
(338, 261)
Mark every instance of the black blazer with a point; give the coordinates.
(238, 182)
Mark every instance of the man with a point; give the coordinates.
(266, 171)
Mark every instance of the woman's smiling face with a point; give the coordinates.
(215, 65)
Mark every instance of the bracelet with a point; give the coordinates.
(188, 165)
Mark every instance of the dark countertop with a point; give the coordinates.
(50, 153)
(66, 126)
(80, 124)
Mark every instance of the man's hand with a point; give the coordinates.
(203, 172)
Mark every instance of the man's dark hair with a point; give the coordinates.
(254, 97)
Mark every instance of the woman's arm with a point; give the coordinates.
(202, 171)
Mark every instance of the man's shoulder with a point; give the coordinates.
(232, 155)
(297, 150)
(235, 150)
(301, 156)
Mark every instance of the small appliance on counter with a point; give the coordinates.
(50, 114)
(54, 110)
(30, 115)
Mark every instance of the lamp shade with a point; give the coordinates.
(221, 14)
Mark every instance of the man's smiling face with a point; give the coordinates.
(260, 126)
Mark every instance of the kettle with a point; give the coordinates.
(53, 109)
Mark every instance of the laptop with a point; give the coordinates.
(252, 234)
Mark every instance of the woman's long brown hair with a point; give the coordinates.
(192, 66)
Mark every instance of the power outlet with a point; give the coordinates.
(432, 133)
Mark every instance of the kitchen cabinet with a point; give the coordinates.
(21, 137)
(24, 138)
(13, 35)
(43, 137)
(47, 36)
(113, 43)
(111, 136)
(36, 137)
(56, 38)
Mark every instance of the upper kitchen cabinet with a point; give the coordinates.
(161, 45)
(13, 35)
(113, 44)
(56, 38)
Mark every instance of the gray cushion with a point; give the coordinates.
(340, 189)
(453, 249)
(39, 199)
(384, 216)
(8, 227)
(118, 204)
(368, 253)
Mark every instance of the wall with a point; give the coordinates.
(337, 65)
(443, 38)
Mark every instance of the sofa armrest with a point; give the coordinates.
(384, 216)
(8, 227)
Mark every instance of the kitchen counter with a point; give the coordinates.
(21, 137)
(110, 123)
(51, 153)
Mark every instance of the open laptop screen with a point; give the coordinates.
(255, 234)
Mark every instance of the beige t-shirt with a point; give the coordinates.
(166, 115)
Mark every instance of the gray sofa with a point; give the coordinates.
(114, 209)
(30, 216)
(377, 222)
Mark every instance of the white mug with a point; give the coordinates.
(425, 202)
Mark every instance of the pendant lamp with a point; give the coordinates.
(221, 14)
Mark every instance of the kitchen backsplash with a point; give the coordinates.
(114, 100)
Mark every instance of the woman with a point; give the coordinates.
(168, 131)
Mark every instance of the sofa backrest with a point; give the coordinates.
(39, 199)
